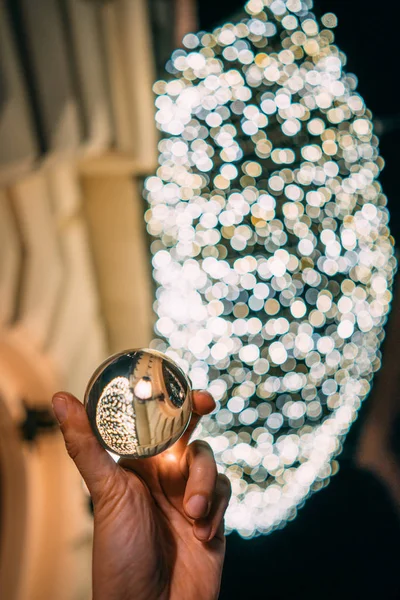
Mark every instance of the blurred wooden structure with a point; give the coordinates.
(77, 136)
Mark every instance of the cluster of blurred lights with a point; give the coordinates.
(271, 249)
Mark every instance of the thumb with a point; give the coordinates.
(94, 463)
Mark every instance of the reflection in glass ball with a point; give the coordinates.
(271, 249)
(139, 403)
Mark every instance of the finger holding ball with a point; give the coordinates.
(139, 403)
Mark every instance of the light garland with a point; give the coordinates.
(272, 254)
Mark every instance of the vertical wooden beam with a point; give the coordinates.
(17, 142)
(48, 61)
(132, 74)
(42, 268)
(86, 54)
(76, 342)
(114, 210)
(10, 261)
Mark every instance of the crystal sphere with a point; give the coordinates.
(138, 402)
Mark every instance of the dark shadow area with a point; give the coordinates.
(344, 543)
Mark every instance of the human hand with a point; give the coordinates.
(158, 522)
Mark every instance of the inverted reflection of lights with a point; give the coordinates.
(115, 417)
(271, 250)
(143, 389)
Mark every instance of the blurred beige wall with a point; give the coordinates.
(74, 263)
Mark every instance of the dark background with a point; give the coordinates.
(345, 542)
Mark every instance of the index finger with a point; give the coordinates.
(203, 404)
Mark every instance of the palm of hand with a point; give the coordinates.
(175, 564)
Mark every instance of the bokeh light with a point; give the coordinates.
(271, 249)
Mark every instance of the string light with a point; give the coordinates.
(271, 249)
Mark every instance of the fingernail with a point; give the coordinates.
(203, 531)
(60, 408)
(197, 506)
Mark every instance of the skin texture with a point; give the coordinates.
(158, 522)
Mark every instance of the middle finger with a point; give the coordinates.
(199, 468)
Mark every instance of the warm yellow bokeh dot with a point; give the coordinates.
(271, 307)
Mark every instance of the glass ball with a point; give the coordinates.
(138, 402)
